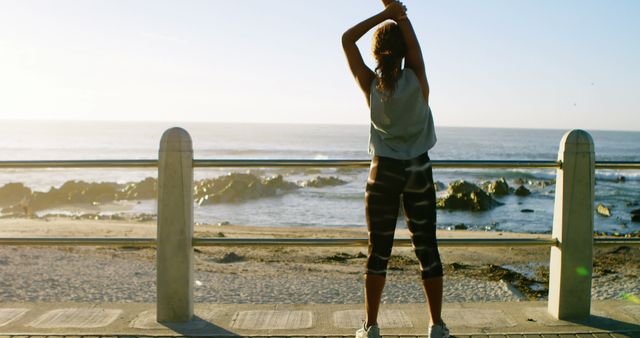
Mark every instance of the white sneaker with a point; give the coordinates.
(438, 331)
(370, 332)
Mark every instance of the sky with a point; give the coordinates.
(490, 63)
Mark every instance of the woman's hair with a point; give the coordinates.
(389, 49)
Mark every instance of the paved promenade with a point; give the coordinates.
(517, 319)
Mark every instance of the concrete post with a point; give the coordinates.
(571, 262)
(174, 260)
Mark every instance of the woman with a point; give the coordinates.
(401, 134)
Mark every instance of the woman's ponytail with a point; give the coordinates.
(389, 49)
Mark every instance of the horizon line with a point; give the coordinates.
(287, 123)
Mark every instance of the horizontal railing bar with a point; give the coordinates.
(616, 241)
(281, 163)
(400, 242)
(199, 241)
(75, 241)
(618, 165)
(150, 242)
(366, 163)
(79, 164)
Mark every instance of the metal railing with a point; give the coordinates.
(284, 163)
(326, 242)
(573, 213)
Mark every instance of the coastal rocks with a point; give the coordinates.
(22, 201)
(12, 193)
(143, 190)
(522, 191)
(321, 181)
(462, 195)
(520, 181)
(534, 183)
(440, 186)
(635, 215)
(235, 187)
(71, 192)
(498, 188)
(603, 210)
(543, 183)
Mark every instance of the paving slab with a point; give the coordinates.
(541, 315)
(632, 311)
(9, 315)
(76, 318)
(272, 320)
(353, 319)
(478, 318)
(146, 320)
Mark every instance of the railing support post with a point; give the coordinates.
(571, 261)
(174, 262)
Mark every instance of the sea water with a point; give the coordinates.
(341, 205)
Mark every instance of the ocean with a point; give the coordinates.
(339, 206)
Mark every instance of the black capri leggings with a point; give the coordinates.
(413, 180)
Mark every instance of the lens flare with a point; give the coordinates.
(631, 298)
(582, 271)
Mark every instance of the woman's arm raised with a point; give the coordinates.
(414, 59)
(363, 74)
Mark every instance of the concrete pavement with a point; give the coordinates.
(517, 319)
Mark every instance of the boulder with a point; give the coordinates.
(520, 181)
(462, 195)
(440, 186)
(321, 181)
(12, 193)
(144, 190)
(71, 192)
(635, 215)
(602, 210)
(498, 188)
(522, 191)
(542, 183)
(236, 187)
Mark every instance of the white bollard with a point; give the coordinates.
(174, 260)
(571, 263)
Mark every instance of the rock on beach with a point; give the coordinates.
(320, 181)
(522, 191)
(12, 193)
(498, 187)
(462, 195)
(603, 210)
(236, 187)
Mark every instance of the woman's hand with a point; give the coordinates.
(395, 10)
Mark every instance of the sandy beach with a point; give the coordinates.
(280, 274)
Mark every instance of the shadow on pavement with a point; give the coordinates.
(608, 324)
(199, 327)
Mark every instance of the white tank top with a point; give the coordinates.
(401, 125)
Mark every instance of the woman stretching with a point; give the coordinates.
(401, 134)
